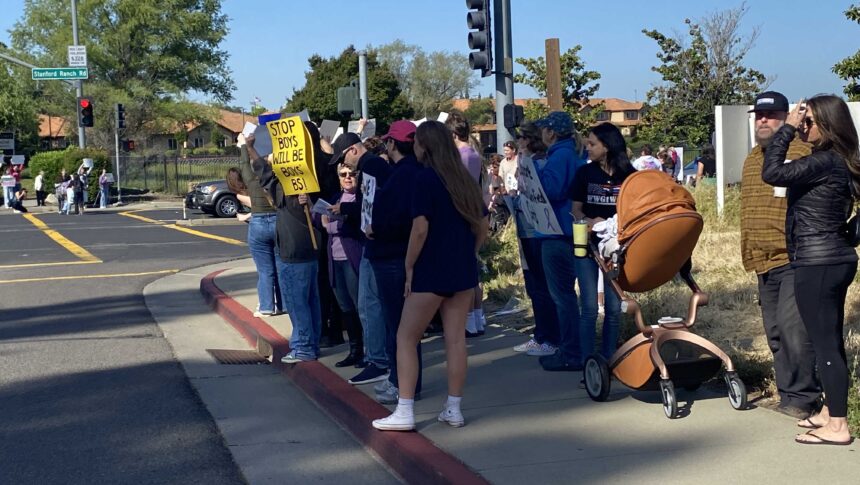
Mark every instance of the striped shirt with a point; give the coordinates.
(763, 245)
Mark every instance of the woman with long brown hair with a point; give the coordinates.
(821, 191)
(448, 227)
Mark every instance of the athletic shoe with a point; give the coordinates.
(388, 396)
(452, 416)
(525, 347)
(259, 314)
(541, 350)
(382, 386)
(293, 358)
(397, 421)
(556, 363)
(369, 374)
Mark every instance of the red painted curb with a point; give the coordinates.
(411, 455)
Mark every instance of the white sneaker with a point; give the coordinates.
(395, 422)
(382, 386)
(541, 350)
(389, 396)
(452, 416)
(531, 344)
(259, 314)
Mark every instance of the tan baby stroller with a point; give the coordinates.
(658, 228)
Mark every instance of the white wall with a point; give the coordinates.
(735, 138)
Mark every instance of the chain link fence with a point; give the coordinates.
(170, 175)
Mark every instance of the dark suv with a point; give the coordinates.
(213, 198)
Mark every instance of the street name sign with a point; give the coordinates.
(7, 140)
(77, 56)
(60, 73)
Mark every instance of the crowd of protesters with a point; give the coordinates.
(433, 201)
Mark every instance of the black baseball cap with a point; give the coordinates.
(770, 101)
(341, 144)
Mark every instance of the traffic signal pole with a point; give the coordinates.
(79, 86)
(504, 68)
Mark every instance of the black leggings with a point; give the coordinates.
(820, 292)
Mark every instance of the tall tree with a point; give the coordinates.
(576, 86)
(143, 53)
(849, 68)
(480, 111)
(428, 80)
(699, 75)
(18, 111)
(319, 94)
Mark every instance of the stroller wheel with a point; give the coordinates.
(596, 376)
(670, 403)
(737, 391)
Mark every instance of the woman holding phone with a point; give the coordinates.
(821, 192)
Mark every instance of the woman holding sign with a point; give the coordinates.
(449, 225)
(297, 265)
(594, 191)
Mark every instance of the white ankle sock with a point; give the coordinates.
(405, 407)
(471, 326)
(480, 321)
(453, 401)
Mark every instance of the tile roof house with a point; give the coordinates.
(53, 132)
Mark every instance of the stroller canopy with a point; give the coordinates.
(658, 228)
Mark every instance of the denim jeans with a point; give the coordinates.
(105, 196)
(391, 280)
(587, 271)
(559, 267)
(370, 314)
(261, 242)
(546, 316)
(345, 285)
(301, 299)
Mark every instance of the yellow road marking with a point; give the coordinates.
(89, 277)
(175, 227)
(73, 248)
(36, 265)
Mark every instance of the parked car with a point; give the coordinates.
(213, 198)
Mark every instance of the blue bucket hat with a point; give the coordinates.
(558, 121)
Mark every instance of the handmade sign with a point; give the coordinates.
(368, 192)
(293, 156)
(534, 203)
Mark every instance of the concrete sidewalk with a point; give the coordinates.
(525, 425)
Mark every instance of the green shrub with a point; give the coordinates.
(71, 158)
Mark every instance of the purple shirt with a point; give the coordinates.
(472, 161)
(337, 251)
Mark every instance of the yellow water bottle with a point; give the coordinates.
(580, 239)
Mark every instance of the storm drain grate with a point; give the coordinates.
(237, 357)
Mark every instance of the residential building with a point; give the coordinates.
(53, 132)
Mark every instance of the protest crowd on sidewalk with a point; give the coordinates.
(380, 238)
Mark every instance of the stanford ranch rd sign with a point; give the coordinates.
(60, 73)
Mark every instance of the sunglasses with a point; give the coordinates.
(344, 175)
(809, 123)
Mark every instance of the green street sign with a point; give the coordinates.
(60, 73)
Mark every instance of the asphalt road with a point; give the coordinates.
(89, 389)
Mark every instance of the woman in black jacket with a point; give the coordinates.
(820, 198)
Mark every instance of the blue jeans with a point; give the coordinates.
(546, 316)
(391, 280)
(264, 249)
(370, 314)
(587, 271)
(300, 297)
(345, 285)
(105, 196)
(559, 267)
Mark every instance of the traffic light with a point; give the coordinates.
(514, 115)
(348, 101)
(478, 21)
(120, 116)
(85, 112)
(128, 145)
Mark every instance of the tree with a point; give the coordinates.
(319, 94)
(429, 81)
(849, 68)
(576, 87)
(145, 54)
(480, 111)
(698, 76)
(18, 112)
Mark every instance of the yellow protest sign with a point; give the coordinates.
(293, 156)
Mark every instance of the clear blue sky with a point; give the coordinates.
(269, 41)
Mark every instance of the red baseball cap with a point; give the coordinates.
(401, 130)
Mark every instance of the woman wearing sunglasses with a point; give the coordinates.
(821, 192)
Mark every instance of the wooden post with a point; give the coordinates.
(311, 226)
(553, 75)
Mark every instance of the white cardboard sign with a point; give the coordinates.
(533, 201)
(17, 159)
(368, 192)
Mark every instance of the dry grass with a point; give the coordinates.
(732, 319)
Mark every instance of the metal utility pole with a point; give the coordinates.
(79, 88)
(362, 82)
(504, 68)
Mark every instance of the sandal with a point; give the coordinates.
(820, 441)
(807, 424)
